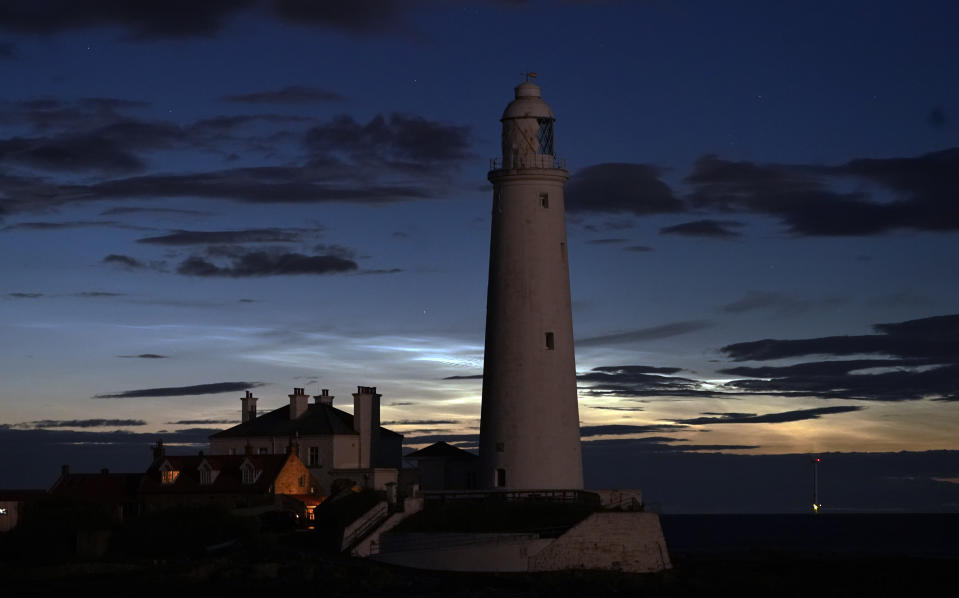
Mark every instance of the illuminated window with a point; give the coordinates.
(314, 457)
(168, 476)
(550, 343)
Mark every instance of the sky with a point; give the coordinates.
(198, 199)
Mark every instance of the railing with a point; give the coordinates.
(371, 519)
(548, 495)
(535, 161)
(432, 541)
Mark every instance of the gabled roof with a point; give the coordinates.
(97, 487)
(442, 450)
(319, 420)
(228, 478)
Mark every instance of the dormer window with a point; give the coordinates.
(206, 474)
(249, 474)
(168, 475)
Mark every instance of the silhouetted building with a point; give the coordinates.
(332, 443)
(443, 466)
(246, 482)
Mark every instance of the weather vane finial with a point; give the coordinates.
(528, 75)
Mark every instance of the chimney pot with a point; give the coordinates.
(65, 470)
(105, 471)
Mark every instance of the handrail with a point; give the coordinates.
(536, 161)
(377, 517)
(430, 540)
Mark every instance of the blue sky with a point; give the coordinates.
(271, 194)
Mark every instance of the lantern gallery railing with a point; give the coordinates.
(536, 161)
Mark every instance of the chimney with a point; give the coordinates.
(366, 421)
(249, 407)
(105, 471)
(158, 451)
(64, 470)
(325, 398)
(298, 403)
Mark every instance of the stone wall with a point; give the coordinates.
(617, 541)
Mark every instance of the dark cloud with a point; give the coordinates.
(264, 263)
(181, 391)
(128, 210)
(616, 187)
(66, 225)
(623, 429)
(144, 356)
(804, 198)
(605, 241)
(431, 438)
(470, 377)
(25, 295)
(98, 294)
(419, 422)
(934, 338)
(704, 228)
(201, 422)
(354, 17)
(145, 20)
(294, 94)
(645, 334)
(81, 423)
(769, 418)
(937, 117)
(610, 408)
(638, 248)
(779, 303)
(407, 141)
(259, 235)
(124, 261)
(640, 381)
(920, 359)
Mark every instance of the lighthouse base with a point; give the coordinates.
(617, 536)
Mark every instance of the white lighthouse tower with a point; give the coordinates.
(529, 432)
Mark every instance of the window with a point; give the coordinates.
(562, 251)
(500, 478)
(314, 458)
(206, 476)
(302, 481)
(544, 136)
(247, 471)
(168, 476)
(544, 199)
(550, 344)
(232, 451)
(262, 450)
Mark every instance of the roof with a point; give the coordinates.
(101, 487)
(319, 420)
(229, 478)
(442, 450)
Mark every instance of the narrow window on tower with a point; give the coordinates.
(500, 478)
(544, 199)
(562, 251)
(550, 344)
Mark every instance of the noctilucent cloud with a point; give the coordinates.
(197, 199)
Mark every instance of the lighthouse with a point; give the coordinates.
(529, 431)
